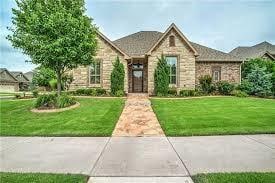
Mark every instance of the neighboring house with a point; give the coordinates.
(261, 50)
(22, 79)
(8, 83)
(29, 75)
(139, 52)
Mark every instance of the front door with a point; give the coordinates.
(137, 80)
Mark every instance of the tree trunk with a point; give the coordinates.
(58, 83)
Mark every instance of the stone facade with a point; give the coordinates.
(187, 74)
(185, 66)
(106, 55)
(230, 71)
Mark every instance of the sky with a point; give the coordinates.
(219, 24)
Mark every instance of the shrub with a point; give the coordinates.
(35, 93)
(119, 93)
(258, 82)
(206, 84)
(53, 84)
(161, 77)
(172, 91)
(65, 100)
(80, 91)
(101, 91)
(50, 101)
(46, 101)
(187, 93)
(224, 87)
(239, 93)
(117, 77)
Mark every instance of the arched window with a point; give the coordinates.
(171, 40)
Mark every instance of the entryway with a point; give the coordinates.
(137, 70)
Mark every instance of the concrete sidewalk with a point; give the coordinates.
(170, 158)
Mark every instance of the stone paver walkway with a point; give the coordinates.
(138, 118)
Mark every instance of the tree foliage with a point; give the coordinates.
(161, 77)
(117, 77)
(258, 82)
(266, 66)
(54, 33)
(42, 76)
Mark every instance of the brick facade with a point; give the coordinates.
(230, 71)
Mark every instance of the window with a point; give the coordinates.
(216, 74)
(95, 73)
(171, 41)
(172, 63)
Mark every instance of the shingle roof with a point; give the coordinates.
(20, 79)
(29, 75)
(257, 50)
(139, 43)
(7, 79)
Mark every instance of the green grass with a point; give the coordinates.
(215, 116)
(94, 117)
(235, 178)
(41, 178)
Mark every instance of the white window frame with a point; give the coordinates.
(170, 69)
(214, 75)
(97, 74)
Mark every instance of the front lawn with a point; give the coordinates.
(235, 178)
(215, 116)
(41, 178)
(94, 117)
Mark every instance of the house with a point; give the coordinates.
(29, 75)
(139, 52)
(22, 79)
(8, 83)
(261, 50)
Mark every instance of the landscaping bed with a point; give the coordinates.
(250, 177)
(41, 178)
(215, 116)
(94, 117)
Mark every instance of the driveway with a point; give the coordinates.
(121, 157)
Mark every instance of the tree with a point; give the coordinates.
(42, 77)
(117, 77)
(259, 81)
(54, 33)
(161, 77)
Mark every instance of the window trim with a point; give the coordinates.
(214, 70)
(96, 75)
(177, 67)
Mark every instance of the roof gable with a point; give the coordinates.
(174, 27)
(18, 74)
(112, 44)
(258, 50)
(5, 75)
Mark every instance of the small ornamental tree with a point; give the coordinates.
(260, 82)
(56, 34)
(117, 77)
(161, 77)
